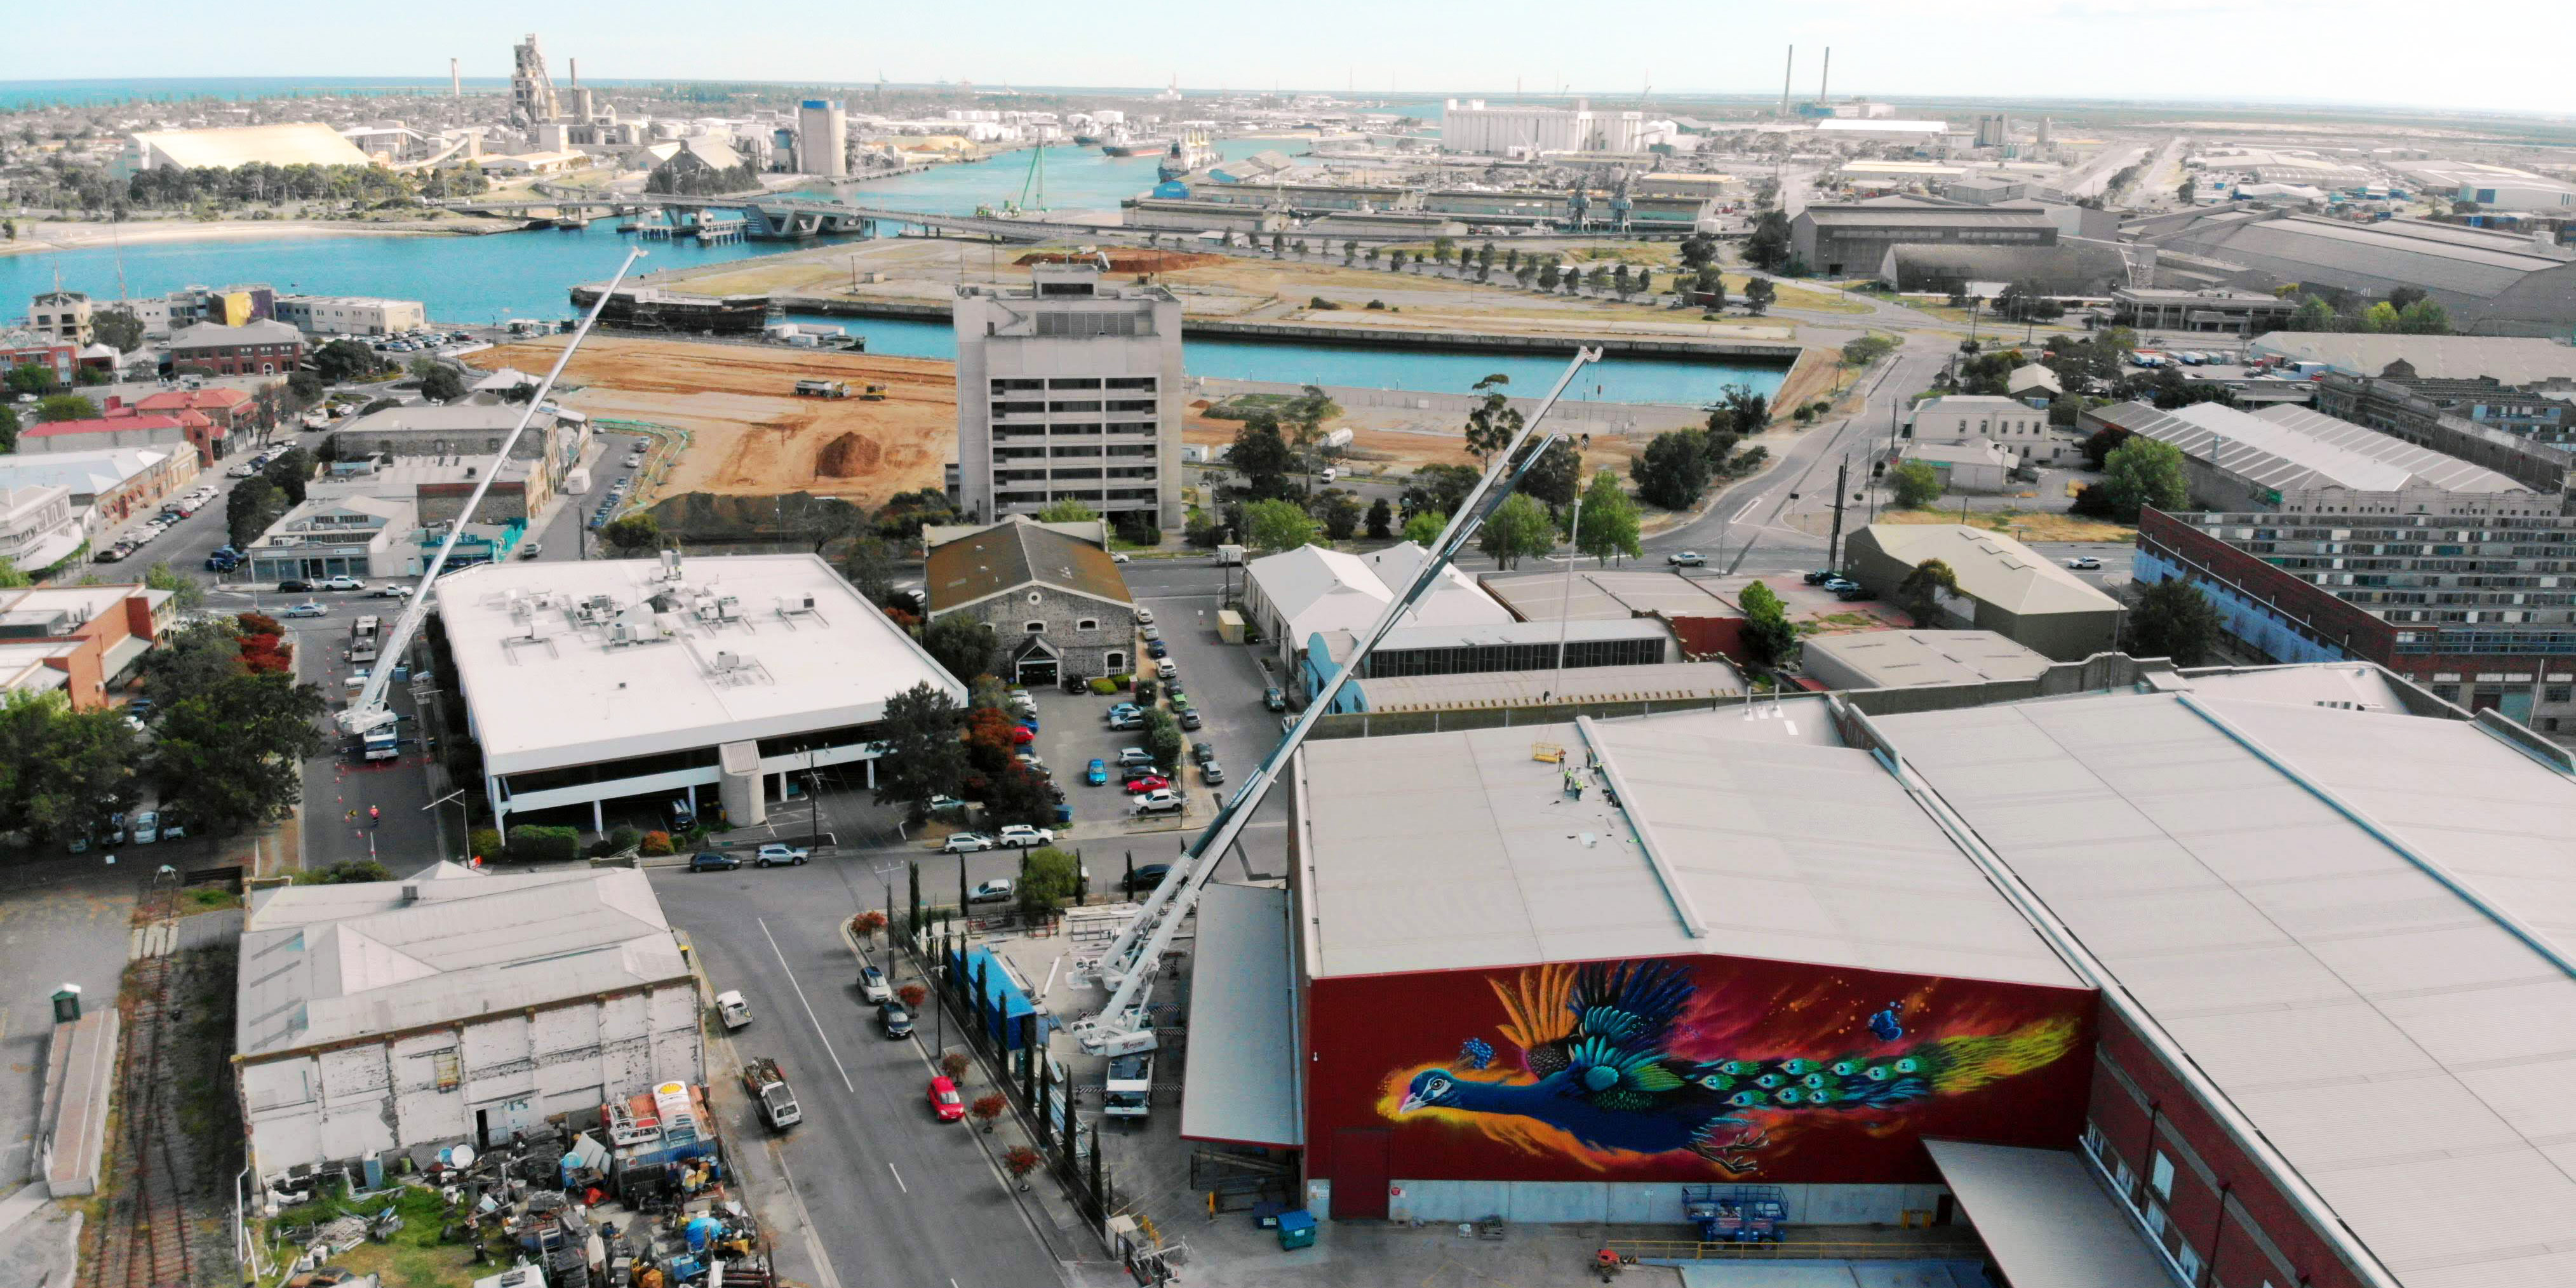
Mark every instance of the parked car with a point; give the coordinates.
(873, 986)
(1147, 877)
(1126, 721)
(733, 1010)
(1134, 756)
(1157, 649)
(1098, 773)
(1839, 584)
(2084, 563)
(1686, 559)
(1165, 801)
(1273, 700)
(1144, 783)
(1130, 773)
(241, 471)
(1855, 592)
(532, 549)
(965, 843)
(943, 805)
(710, 861)
(391, 591)
(306, 609)
(1819, 576)
(1190, 721)
(292, 586)
(1021, 836)
(1202, 753)
(1022, 735)
(1211, 773)
(944, 1100)
(1166, 669)
(896, 1021)
(774, 853)
(997, 890)
(1117, 709)
(344, 582)
(1144, 617)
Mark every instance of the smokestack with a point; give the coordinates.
(572, 68)
(455, 83)
(1825, 82)
(1787, 70)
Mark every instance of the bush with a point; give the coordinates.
(656, 843)
(483, 843)
(1104, 686)
(1319, 302)
(533, 844)
(955, 1064)
(1379, 305)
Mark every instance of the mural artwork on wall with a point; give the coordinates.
(1611, 1064)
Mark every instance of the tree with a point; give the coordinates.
(1261, 456)
(2313, 314)
(1018, 794)
(1768, 636)
(1609, 522)
(1067, 510)
(304, 389)
(1673, 470)
(2424, 317)
(1019, 1161)
(2379, 318)
(186, 592)
(67, 407)
(1381, 520)
(2098, 446)
(1341, 515)
(633, 537)
(1518, 529)
(960, 643)
(925, 758)
(290, 471)
(1494, 423)
(1425, 527)
(1868, 349)
(253, 504)
(1441, 488)
(1922, 589)
(8, 430)
(62, 772)
(12, 577)
(345, 360)
(988, 1107)
(1556, 477)
(2144, 472)
(29, 378)
(1277, 525)
(2173, 620)
(1163, 739)
(1549, 278)
(1758, 295)
(191, 661)
(442, 384)
(1768, 247)
(118, 328)
(233, 756)
(1047, 880)
(1915, 484)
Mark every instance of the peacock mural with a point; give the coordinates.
(1727, 1066)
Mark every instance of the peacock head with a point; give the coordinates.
(1430, 1087)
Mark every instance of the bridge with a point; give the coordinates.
(792, 218)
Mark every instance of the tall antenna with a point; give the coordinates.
(1786, 71)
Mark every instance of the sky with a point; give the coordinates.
(2507, 55)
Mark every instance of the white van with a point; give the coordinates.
(147, 826)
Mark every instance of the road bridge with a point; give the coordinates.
(788, 218)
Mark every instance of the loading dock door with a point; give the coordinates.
(1360, 1165)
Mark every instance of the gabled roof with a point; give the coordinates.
(2292, 449)
(1992, 568)
(209, 335)
(1012, 554)
(100, 425)
(1318, 590)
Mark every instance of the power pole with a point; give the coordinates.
(1834, 544)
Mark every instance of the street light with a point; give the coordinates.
(464, 823)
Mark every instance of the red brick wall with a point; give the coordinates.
(2182, 1130)
(2359, 631)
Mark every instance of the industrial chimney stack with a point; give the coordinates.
(1787, 71)
(455, 83)
(1824, 83)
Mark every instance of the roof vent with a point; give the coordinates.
(411, 894)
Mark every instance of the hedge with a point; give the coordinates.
(533, 844)
(483, 843)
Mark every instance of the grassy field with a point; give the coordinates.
(413, 1257)
(2024, 525)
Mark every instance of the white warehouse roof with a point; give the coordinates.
(726, 652)
(2293, 449)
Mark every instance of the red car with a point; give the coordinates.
(944, 1100)
(1147, 783)
(1022, 735)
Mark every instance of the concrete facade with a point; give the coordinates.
(1472, 126)
(350, 314)
(2010, 423)
(1069, 390)
(1840, 240)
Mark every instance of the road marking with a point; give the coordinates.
(1748, 507)
(898, 1183)
(809, 1009)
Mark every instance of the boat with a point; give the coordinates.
(1086, 140)
(1188, 155)
(1143, 145)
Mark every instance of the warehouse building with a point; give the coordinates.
(1295, 595)
(2301, 461)
(2004, 586)
(1852, 240)
(642, 683)
(453, 1007)
(2071, 266)
(225, 148)
(1913, 659)
(2223, 976)
(2212, 310)
(2526, 433)
(2491, 283)
(2518, 361)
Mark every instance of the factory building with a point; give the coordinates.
(1069, 390)
(644, 683)
(2004, 586)
(822, 138)
(2302, 461)
(1518, 130)
(2134, 983)
(299, 143)
(1839, 241)
(2491, 283)
(2212, 310)
(452, 1007)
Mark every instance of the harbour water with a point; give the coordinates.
(490, 279)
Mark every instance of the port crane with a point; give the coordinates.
(1128, 968)
(368, 717)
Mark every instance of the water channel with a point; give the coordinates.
(493, 278)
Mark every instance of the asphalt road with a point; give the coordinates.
(899, 1197)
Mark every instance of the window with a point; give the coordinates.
(2160, 1176)
(1114, 660)
(1087, 624)
(2188, 1261)
(1034, 628)
(448, 1067)
(1033, 597)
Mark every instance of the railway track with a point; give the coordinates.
(142, 1242)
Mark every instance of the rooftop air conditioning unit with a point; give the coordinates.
(802, 601)
(728, 607)
(727, 662)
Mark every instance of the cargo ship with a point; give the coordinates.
(1188, 155)
(651, 308)
(1142, 145)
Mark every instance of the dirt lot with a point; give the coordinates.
(750, 434)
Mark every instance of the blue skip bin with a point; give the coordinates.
(1296, 1230)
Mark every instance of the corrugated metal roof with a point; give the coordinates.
(2045, 1219)
(1243, 1022)
(2334, 252)
(1674, 682)
(2388, 1035)
(1459, 850)
(2293, 449)
(1991, 567)
(2511, 360)
(1905, 659)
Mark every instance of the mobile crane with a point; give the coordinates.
(1129, 966)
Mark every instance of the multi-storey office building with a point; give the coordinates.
(1069, 390)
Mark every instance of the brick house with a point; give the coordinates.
(260, 348)
(1057, 604)
(91, 636)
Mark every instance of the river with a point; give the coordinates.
(489, 279)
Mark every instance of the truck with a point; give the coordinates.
(823, 388)
(1127, 1090)
(379, 744)
(766, 1084)
(1229, 554)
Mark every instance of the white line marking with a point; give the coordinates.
(809, 1008)
(898, 1179)
(1748, 509)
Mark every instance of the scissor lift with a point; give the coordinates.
(1735, 1213)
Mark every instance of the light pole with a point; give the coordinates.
(464, 823)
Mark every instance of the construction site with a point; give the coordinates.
(745, 429)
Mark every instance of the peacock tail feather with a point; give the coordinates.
(1534, 1002)
(1963, 1064)
(1941, 1067)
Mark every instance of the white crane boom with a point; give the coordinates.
(368, 711)
(1128, 967)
